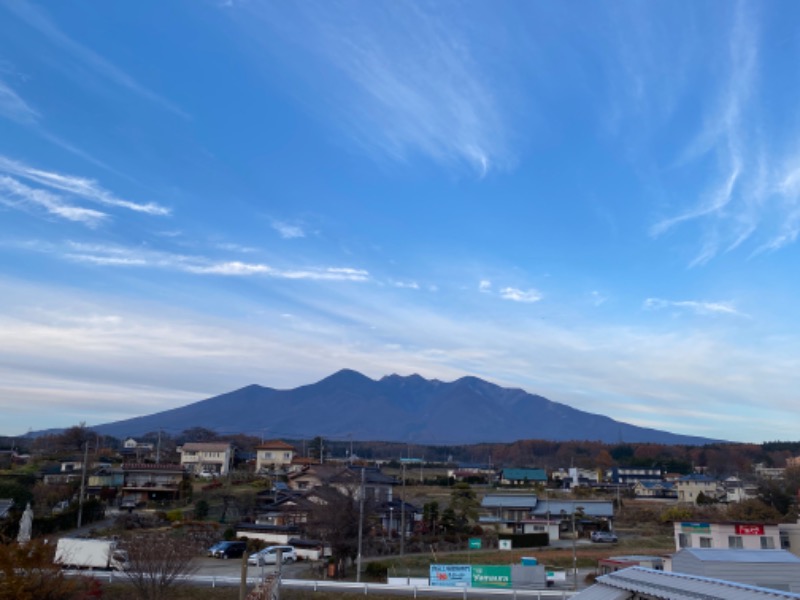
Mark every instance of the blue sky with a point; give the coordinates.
(598, 203)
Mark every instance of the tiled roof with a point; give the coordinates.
(274, 445)
(207, 446)
(151, 467)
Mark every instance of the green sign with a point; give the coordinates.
(474, 543)
(486, 576)
(695, 528)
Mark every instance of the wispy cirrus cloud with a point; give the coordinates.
(13, 107)
(408, 79)
(73, 185)
(38, 19)
(694, 306)
(16, 194)
(109, 255)
(748, 167)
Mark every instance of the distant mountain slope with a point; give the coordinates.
(394, 408)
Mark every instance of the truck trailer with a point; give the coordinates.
(77, 553)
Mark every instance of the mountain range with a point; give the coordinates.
(394, 408)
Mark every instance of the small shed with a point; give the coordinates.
(773, 569)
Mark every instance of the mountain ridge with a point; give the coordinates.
(394, 408)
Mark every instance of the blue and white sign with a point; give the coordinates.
(451, 575)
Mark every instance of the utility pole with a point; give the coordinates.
(83, 481)
(158, 448)
(403, 514)
(360, 526)
(574, 552)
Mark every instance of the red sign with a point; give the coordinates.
(750, 530)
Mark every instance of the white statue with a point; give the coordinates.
(25, 525)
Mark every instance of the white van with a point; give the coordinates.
(269, 555)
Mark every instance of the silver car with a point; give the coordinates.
(269, 555)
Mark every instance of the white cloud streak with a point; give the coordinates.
(15, 194)
(408, 79)
(76, 186)
(697, 307)
(39, 20)
(517, 295)
(105, 255)
(13, 107)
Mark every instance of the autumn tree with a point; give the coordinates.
(27, 572)
(753, 510)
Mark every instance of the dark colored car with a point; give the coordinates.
(228, 550)
(604, 536)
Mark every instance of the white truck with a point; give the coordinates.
(76, 553)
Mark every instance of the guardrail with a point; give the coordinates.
(364, 589)
(419, 591)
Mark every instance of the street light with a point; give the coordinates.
(391, 516)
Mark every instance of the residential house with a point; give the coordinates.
(523, 477)
(397, 517)
(274, 455)
(135, 450)
(655, 489)
(737, 536)
(473, 473)
(698, 486)
(765, 472)
(590, 515)
(215, 458)
(507, 512)
(105, 483)
(630, 475)
(151, 482)
(348, 480)
(737, 490)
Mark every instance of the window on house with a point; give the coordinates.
(286, 456)
(767, 543)
(684, 541)
(735, 541)
(705, 542)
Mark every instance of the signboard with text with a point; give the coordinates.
(695, 528)
(748, 529)
(491, 576)
(474, 543)
(451, 575)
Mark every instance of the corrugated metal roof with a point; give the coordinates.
(742, 556)
(603, 592)
(509, 501)
(677, 586)
(590, 508)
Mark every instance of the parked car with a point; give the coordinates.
(604, 536)
(269, 555)
(227, 549)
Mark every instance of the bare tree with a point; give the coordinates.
(157, 561)
(27, 572)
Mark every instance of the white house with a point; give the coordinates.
(207, 457)
(274, 454)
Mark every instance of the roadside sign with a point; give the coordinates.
(491, 576)
(451, 575)
(474, 543)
